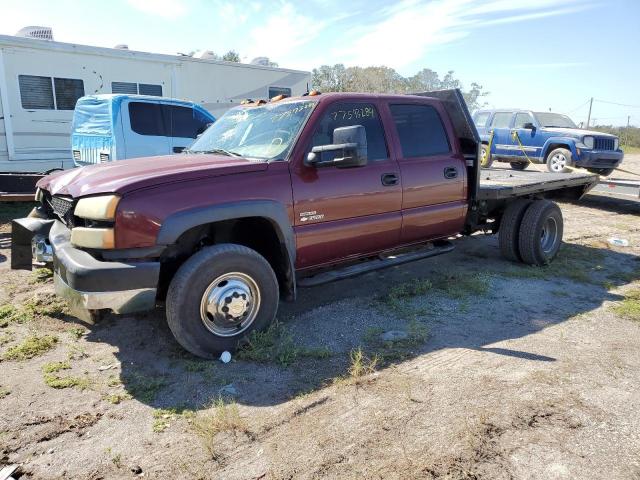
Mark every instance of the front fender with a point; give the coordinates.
(569, 142)
(178, 223)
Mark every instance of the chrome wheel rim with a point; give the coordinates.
(558, 162)
(549, 235)
(230, 304)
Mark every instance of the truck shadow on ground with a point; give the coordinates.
(470, 299)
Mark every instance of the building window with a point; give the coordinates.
(131, 88)
(41, 93)
(36, 92)
(275, 91)
(68, 91)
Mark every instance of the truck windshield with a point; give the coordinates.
(264, 132)
(547, 119)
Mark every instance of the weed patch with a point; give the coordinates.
(223, 418)
(630, 306)
(273, 345)
(54, 367)
(41, 275)
(60, 382)
(76, 332)
(116, 398)
(6, 338)
(46, 306)
(11, 314)
(143, 387)
(32, 346)
(360, 364)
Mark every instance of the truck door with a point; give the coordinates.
(186, 123)
(145, 131)
(346, 212)
(432, 170)
(501, 145)
(530, 138)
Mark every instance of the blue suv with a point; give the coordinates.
(545, 137)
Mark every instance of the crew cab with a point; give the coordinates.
(521, 136)
(280, 195)
(117, 127)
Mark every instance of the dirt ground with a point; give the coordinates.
(493, 371)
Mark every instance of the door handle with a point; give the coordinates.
(389, 179)
(450, 172)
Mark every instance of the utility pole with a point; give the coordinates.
(589, 117)
(627, 131)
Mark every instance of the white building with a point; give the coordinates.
(40, 81)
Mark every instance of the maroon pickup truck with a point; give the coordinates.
(276, 195)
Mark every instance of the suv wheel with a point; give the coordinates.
(540, 233)
(519, 165)
(558, 160)
(220, 295)
(485, 158)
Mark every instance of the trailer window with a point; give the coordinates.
(185, 122)
(131, 88)
(148, 89)
(275, 91)
(68, 91)
(420, 130)
(147, 119)
(36, 92)
(124, 87)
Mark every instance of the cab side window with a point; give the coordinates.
(420, 129)
(347, 114)
(522, 119)
(501, 120)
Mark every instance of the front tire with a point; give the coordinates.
(559, 160)
(541, 232)
(219, 296)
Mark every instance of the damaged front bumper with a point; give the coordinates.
(87, 283)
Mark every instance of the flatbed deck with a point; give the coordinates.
(500, 184)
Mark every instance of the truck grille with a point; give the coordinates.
(604, 144)
(63, 208)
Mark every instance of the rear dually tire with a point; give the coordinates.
(540, 233)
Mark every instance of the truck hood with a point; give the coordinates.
(577, 132)
(123, 176)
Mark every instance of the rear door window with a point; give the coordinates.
(185, 122)
(147, 119)
(522, 119)
(420, 130)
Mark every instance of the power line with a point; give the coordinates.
(616, 103)
(578, 108)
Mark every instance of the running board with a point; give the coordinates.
(381, 262)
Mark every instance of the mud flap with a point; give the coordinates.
(22, 231)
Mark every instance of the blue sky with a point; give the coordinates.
(537, 54)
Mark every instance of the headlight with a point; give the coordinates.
(93, 237)
(589, 142)
(97, 208)
(38, 197)
(616, 144)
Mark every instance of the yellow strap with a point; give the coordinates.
(514, 135)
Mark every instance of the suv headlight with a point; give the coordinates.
(97, 208)
(588, 142)
(616, 144)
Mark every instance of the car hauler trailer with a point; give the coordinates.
(41, 80)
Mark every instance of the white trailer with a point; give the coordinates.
(40, 81)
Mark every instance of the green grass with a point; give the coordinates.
(4, 392)
(630, 306)
(76, 332)
(117, 398)
(360, 364)
(274, 345)
(60, 382)
(48, 305)
(223, 418)
(144, 387)
(11, 314)
(628, 149)
(32, 346)
(7, 337)
(41, 275)
(54, 367)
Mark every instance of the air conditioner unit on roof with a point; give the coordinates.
(43, 33)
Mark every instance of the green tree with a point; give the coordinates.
(231, 56)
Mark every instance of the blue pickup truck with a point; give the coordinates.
(520, 136)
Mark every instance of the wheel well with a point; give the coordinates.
(553, 146)
(257, 233)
